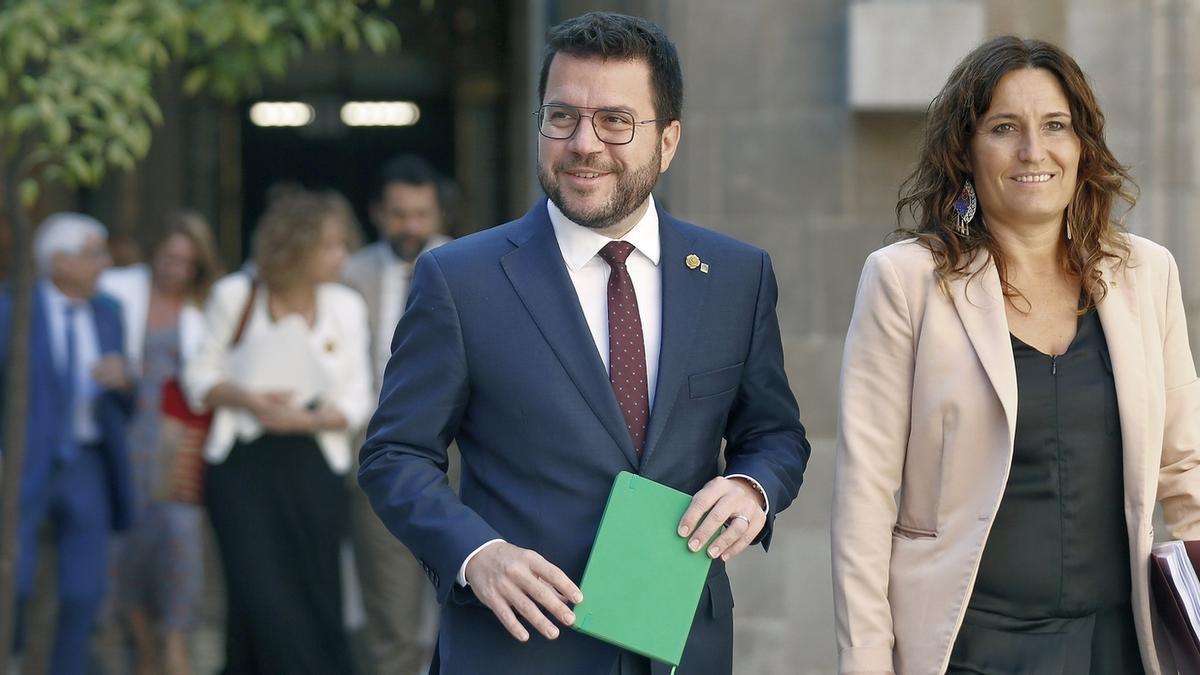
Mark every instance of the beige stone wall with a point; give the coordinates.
(1144, 60)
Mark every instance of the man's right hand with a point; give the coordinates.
(511, 580)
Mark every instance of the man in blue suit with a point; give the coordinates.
(593, 335)
(76, 473)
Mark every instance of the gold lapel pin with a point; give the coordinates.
(692, 261)
(330, 346)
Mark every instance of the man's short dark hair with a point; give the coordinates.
(411, 170)
(618, 36)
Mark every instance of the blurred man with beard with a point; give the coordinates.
(409, 213)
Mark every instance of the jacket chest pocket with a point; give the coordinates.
(715, 382)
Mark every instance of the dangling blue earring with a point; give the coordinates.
(965, 206)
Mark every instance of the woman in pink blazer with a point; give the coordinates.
(1017, 390)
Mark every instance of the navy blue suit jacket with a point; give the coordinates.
(45, 418)
(494, 352)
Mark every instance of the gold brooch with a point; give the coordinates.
(330, 346)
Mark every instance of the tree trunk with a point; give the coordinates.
(15, 403)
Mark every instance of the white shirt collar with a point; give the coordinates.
(58, 300)
(580, 244)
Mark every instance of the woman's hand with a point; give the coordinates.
(327, 417)
(276, 413)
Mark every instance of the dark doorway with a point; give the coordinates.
(346, 161)
(453, 62)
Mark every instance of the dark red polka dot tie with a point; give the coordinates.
(626, 348)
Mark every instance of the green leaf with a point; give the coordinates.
(16, 51)
(55, 174)
(195, 80)
(37, 48)
(274, 58)
(51, 32)
(28, 191)
(378, 35)
(350, 38)
(78, 170)
(58, 131)
(310, 27)
(256, 29)
(151, 110)
(274, 15)
(119, 156)
(139, 136)
(22, 119)
(99, 97)
(97, 170)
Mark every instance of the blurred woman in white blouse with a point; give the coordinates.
(284, 366)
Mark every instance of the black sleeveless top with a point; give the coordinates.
(1052, 596)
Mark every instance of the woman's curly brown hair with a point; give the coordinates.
(290, 232)
(944, 164)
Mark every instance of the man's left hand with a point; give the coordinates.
(732, 502)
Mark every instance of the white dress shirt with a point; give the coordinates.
(580, 248)
(393, 292)
(87, 353)
(589, 274)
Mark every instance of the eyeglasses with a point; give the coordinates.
(614, 127)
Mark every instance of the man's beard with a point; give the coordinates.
(407, 248)
(631, 191)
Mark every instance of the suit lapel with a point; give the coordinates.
(539, 276)
(683, 294)
(980, 305)
(104, 329)
(1122, 331)
(41, 350)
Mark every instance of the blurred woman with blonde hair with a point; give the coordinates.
(285, 368)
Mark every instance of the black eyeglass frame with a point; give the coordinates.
(632, 131)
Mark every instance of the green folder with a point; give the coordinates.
(642, 584)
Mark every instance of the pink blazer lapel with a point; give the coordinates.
(1120, 317)
(980, 304)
